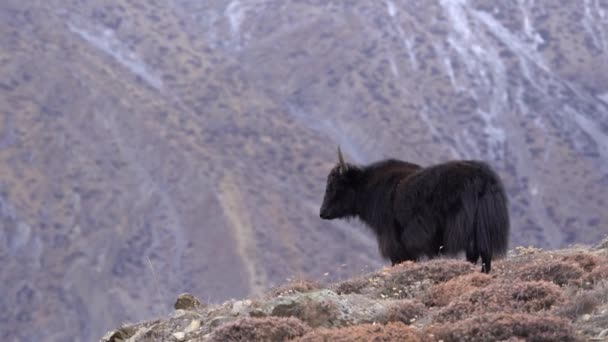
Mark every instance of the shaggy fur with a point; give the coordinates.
(414, 211)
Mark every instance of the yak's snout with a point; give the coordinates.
(324, 214)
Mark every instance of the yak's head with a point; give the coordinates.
(340, 192)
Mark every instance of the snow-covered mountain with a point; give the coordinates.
(151, 148)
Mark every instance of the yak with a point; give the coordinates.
(416, 211)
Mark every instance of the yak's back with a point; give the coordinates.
(454, 175)
(441, 186)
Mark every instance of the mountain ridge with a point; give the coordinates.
(121, 121)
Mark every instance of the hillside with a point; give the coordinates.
(532, 295)
(150, 148)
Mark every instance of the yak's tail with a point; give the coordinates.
(481, 226)
(491, 224)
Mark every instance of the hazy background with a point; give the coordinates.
(149, 148)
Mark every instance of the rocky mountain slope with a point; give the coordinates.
(533, 295)
(153, 148)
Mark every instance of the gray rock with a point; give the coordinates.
(186, 301)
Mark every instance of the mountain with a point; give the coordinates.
(533, 295)
(153, 148)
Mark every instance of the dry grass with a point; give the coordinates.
(365, 332)
(261, 329)
(402, 280)
(437, 271)
(582, 303)
(354, 285)
(598, 275)
(558, 272)
(414, 280)
(405, 311)
(509, 297)
(294, 286)
(500, 327)
(442, 294)
(314, 313)
(585, 260)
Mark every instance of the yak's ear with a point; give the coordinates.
(341, 160)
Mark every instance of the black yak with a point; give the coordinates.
(414, 211)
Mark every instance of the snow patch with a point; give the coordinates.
(391, 8)
(458, 17)
(516, 45)
(534, 190)
(447, 62)
(107, 42)
(603, 97)
(483, 64)
(394, 68)
(529, 29)
(598, 36)
(409, 44)
(235, 13)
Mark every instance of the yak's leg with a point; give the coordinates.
(472, 254)
(418, 239)
(486, 263)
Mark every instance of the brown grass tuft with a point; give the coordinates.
(503, 297)
(314, 313)
(598, 275)
(295, 286)
(436, 270)
(580, 304)
(558, 272)
(354, 285)
(404, 311)
(585, 261)
(395, 331)
(411, 280)
(261, 329)
(405, 279)
(444, 293)
(500, 327)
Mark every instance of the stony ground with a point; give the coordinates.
(532, 295)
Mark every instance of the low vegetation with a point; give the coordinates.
(531, 295)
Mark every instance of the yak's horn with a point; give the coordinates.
(341, 159)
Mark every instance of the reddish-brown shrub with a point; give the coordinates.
(580, 304)
(410, 279)
(599, 274)
(584, 260)
(442, 294)
(295, 286)
(261, 329)
(503, 297)
(395, 331)
(436, 270)
(405, 279)
(497, 327)
(405, 311)
(535, 296)
(354, 285)
(558, 272)
(314, 313)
